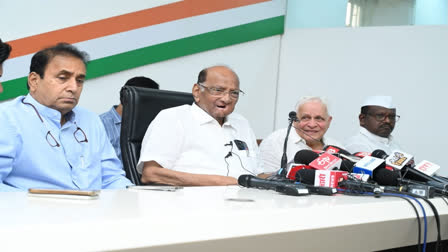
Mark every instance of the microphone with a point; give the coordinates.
(341, 153)
(293, 168)
(402, 162)
(438, 188)
(305, 157)
(292, 118)
(368, 164)
(355, 185)
(324, 161)
(362, 154)
(427, 167)
(399, 159)
(347, 165)
(414, 174)
(386, 177)
(250, 181)
(332, 149)
(321, 178)
(305, 176)
(379, 154)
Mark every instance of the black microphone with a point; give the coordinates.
(306, 177)
(385, 177)
(305, 157)
(439, 188)
(409, 172)
(333, 149)
(284, 161)
(250, 181)
(347, 165)
(293, 116)
(379, 154)
(341, 153)
(356, 185)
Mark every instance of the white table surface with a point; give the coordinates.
(204, 219)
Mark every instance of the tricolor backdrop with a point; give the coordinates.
(165, 31)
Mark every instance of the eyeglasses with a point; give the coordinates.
(51, 140)
(381, 117)
(235, 94)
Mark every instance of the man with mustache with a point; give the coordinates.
(203, 144)
(308, 133)
(49, 142)
(377, 120)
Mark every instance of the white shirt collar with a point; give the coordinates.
(203, 117)
(370, 135)
(296, 138)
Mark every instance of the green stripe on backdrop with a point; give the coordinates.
(168, 50)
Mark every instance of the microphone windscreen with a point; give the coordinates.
(292, 115)
(244, 180)
(347, 165)
(385, 177)
(379, 154)
(305, 157)
(306, 176)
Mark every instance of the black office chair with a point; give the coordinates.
(140, 107)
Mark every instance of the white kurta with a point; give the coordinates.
(187, 139)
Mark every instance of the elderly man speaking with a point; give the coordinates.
(205, 143)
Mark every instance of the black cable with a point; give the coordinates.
(359, 190)
(436, 216)
(241, 163)
(239, 158)
(225, 160)
(419, 237)
(228, 155)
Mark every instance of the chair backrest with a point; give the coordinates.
(140, 107)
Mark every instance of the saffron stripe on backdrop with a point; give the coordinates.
(122, 23)
(156, 34)
(165, 51)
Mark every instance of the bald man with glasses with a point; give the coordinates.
(47, 141)
(377, 120)
(205, 143)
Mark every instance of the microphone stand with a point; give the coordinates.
(284, 161)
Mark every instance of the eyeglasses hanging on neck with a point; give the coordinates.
(51, 140)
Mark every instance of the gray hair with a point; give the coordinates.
(305, 99)
(202, 77)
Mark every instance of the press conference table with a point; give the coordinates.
(210, 219)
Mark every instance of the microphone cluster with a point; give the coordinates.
(325, 172)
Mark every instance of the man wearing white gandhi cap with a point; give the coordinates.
(377, 120)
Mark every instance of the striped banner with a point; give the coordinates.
(152, 35)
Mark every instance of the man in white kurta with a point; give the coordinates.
(377, 121)
(204, 143)
(271, 149)
(308, 133)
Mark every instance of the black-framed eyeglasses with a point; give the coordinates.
(381, 117)
(235, 94)
(51, 140)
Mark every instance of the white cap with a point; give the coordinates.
(382, 101)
